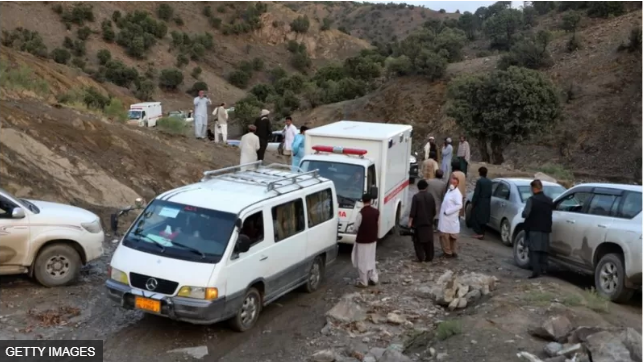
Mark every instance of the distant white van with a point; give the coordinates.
(225, 247)
(145, 114)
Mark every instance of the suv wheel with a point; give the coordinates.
(248, 312)
(57, 265)
(610, 277)
(316, 273)
(520, 251)
(506, 234)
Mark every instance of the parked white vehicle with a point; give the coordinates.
(185, 116)
(145, 114)
(224, 248)
(377, 162)
(597, 229)
(48, 241)
(275, 144)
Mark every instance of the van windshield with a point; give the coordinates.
(348, 179)
(134, 114)
(182, 232)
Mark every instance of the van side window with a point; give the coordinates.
(319, 207)
(253, 227)
(631, 206)
(371, 177)
(288, 219)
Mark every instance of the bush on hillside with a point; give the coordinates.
(430, 64)
(83, 33)
(207, 11)
(118, 73)
(115, 110)
(293, 83)
(570, 21)
(139, 32)
(165, 11)
(544, 7)
(239, 79)
(574, 43)
(453, 41)
(400, 66)
(469, 24)
(258, 64)
(103, 56)
(326, 24)
(145, 90)
(182, 60)
(196, 72)
(635, 40)
(300, 24)
(116, 16)
(61, 55)
(215, 22)
(198, 86)
(79, 48)
(179, 21)
(301, 61)
(502, 27)
(246, 20)
(107, 32)
(334, 72)
(58, 9)
(79, 14)
(295, 47)
(95, 99)
(68, 43)
(442, 11)
(262, 91)
(172, 125)
(277, 73)
(221, 9)
(170, 79)
(491, 111)
(363, 68)
(25, 40)
(530, 53)
(605, 9)
(78, 63)
(194, 47)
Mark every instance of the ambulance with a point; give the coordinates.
(362, 157)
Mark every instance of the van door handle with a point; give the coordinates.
(264, 257)
(602, 226)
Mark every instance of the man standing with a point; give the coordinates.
(249, 145)
(481, 201)
(538, 226)
(436, 188)
(431, 151)
(363, 256)
(462, 181)
(446, 156)
(221, 122)
(449, 224)
(429, 168)
(421, 218)
(289, 136)
(201, 103)
(463, 154)
(263, 129)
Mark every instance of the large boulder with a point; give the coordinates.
(347, 310)
(607, 347)
(554, 328)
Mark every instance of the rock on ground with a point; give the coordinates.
(323, 356)
(195, 352)
(555, 328)
(607, 347)
(552, 348)
(347, 310)
(391, 355)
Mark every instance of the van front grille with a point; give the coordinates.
(145, 282)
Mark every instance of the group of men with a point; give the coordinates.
(201, 103)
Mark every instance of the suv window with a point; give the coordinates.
(288, 219)
(319, 206)
(574, 202)
(601, 204)
(253, 227)
(630, 206)
(502, 192)
(6, 208)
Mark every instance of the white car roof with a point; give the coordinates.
(636, 188)
(360, 130)
(233, 192)
(524, 181)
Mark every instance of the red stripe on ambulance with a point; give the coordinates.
(396, 191)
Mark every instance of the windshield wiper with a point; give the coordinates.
(194, 250)
(141, 236)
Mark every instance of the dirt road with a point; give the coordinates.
(288, 330)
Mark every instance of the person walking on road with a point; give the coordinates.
(263, 130)
(248, 145)
(446, 154)
(421, 219)
(538, 226)
(449, 225)
(290, 131)
(429, 169)
(221, 123)
(201, 103)
(463, 154)
(481, 204)
(298, 149)
(363, 256)
(436, 188)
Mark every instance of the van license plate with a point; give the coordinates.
(147, 304)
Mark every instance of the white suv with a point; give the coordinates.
(49, 241)
(597, 229)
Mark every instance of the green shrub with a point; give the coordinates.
(333, 72)
(115, 110)
(145, 90)
(22, 78)
(139, 32)
(170, 79)
(258, 64)
(68, 43)
(116, 16)
(239, 79)
(165, 11)
(574, 43)
(605, 9)
(107, 32)
(448, 329)
(116, 72)
(301, 61)
(61, 55)
(344, 30)
(79, 49)
(300, 24)
(196, 72)
(570, 21)
(326, 24)
(247, 20)
(634, 41)
(262, 91)
(277, 73)
(530, 53)
(215, 22)
(221, 9)
(207, 11)
(26, 41)
(198, 86)
(442, 11)
(179, 21)
(94, 99)
(83, 33)
(172, 125)
(58, 9)
(103, 56)
(79, 14)
(399, 66)
(182, 60)
(78, 63)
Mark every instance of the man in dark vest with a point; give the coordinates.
(421, 218)
(481, 204)
(538, 226)
(363, 256)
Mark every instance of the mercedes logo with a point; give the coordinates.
(151, 284)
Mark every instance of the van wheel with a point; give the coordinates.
(610, 277)
(506, 235)
(249, 311)
(521, 252)
(316, 274)
(57, 265)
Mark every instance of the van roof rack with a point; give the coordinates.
(273, 176)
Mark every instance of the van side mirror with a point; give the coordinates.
(243, 243)
(373, 192)
(18, 213)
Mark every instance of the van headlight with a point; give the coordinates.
(93, 227)
(118, 276)
(198, 293)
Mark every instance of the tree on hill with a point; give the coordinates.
(503, 107)
(502, 27)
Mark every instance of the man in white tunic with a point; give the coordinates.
(449, 224)
(289, 136)
(363, 256)
(221, 123)
(248, 145)
(201, 115)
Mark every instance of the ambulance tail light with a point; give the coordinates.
(340, 150)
